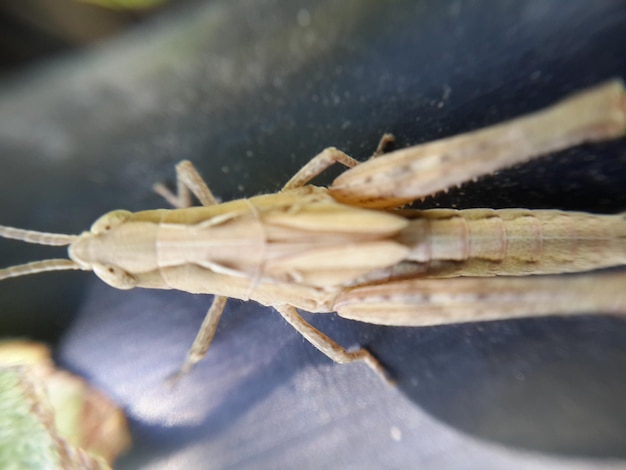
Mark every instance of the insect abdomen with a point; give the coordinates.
(487, 242)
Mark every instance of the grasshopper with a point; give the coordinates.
(350, 248)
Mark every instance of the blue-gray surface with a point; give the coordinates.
(249, 90)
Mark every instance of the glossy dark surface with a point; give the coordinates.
(250, 90)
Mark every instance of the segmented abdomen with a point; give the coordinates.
(487, 242)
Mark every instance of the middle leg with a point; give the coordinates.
(328, 157)
(330, 348)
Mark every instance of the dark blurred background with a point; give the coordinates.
(33, 30)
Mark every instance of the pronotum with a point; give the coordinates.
(348, 248)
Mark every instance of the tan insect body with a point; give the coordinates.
(322, 250)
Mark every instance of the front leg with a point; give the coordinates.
(187, 179)
(203, 339)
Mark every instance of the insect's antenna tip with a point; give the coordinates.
(38, 267)
(39, 238)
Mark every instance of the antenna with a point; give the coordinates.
(39, 238)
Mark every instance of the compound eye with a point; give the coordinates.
(110, 220)
(115, 277)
